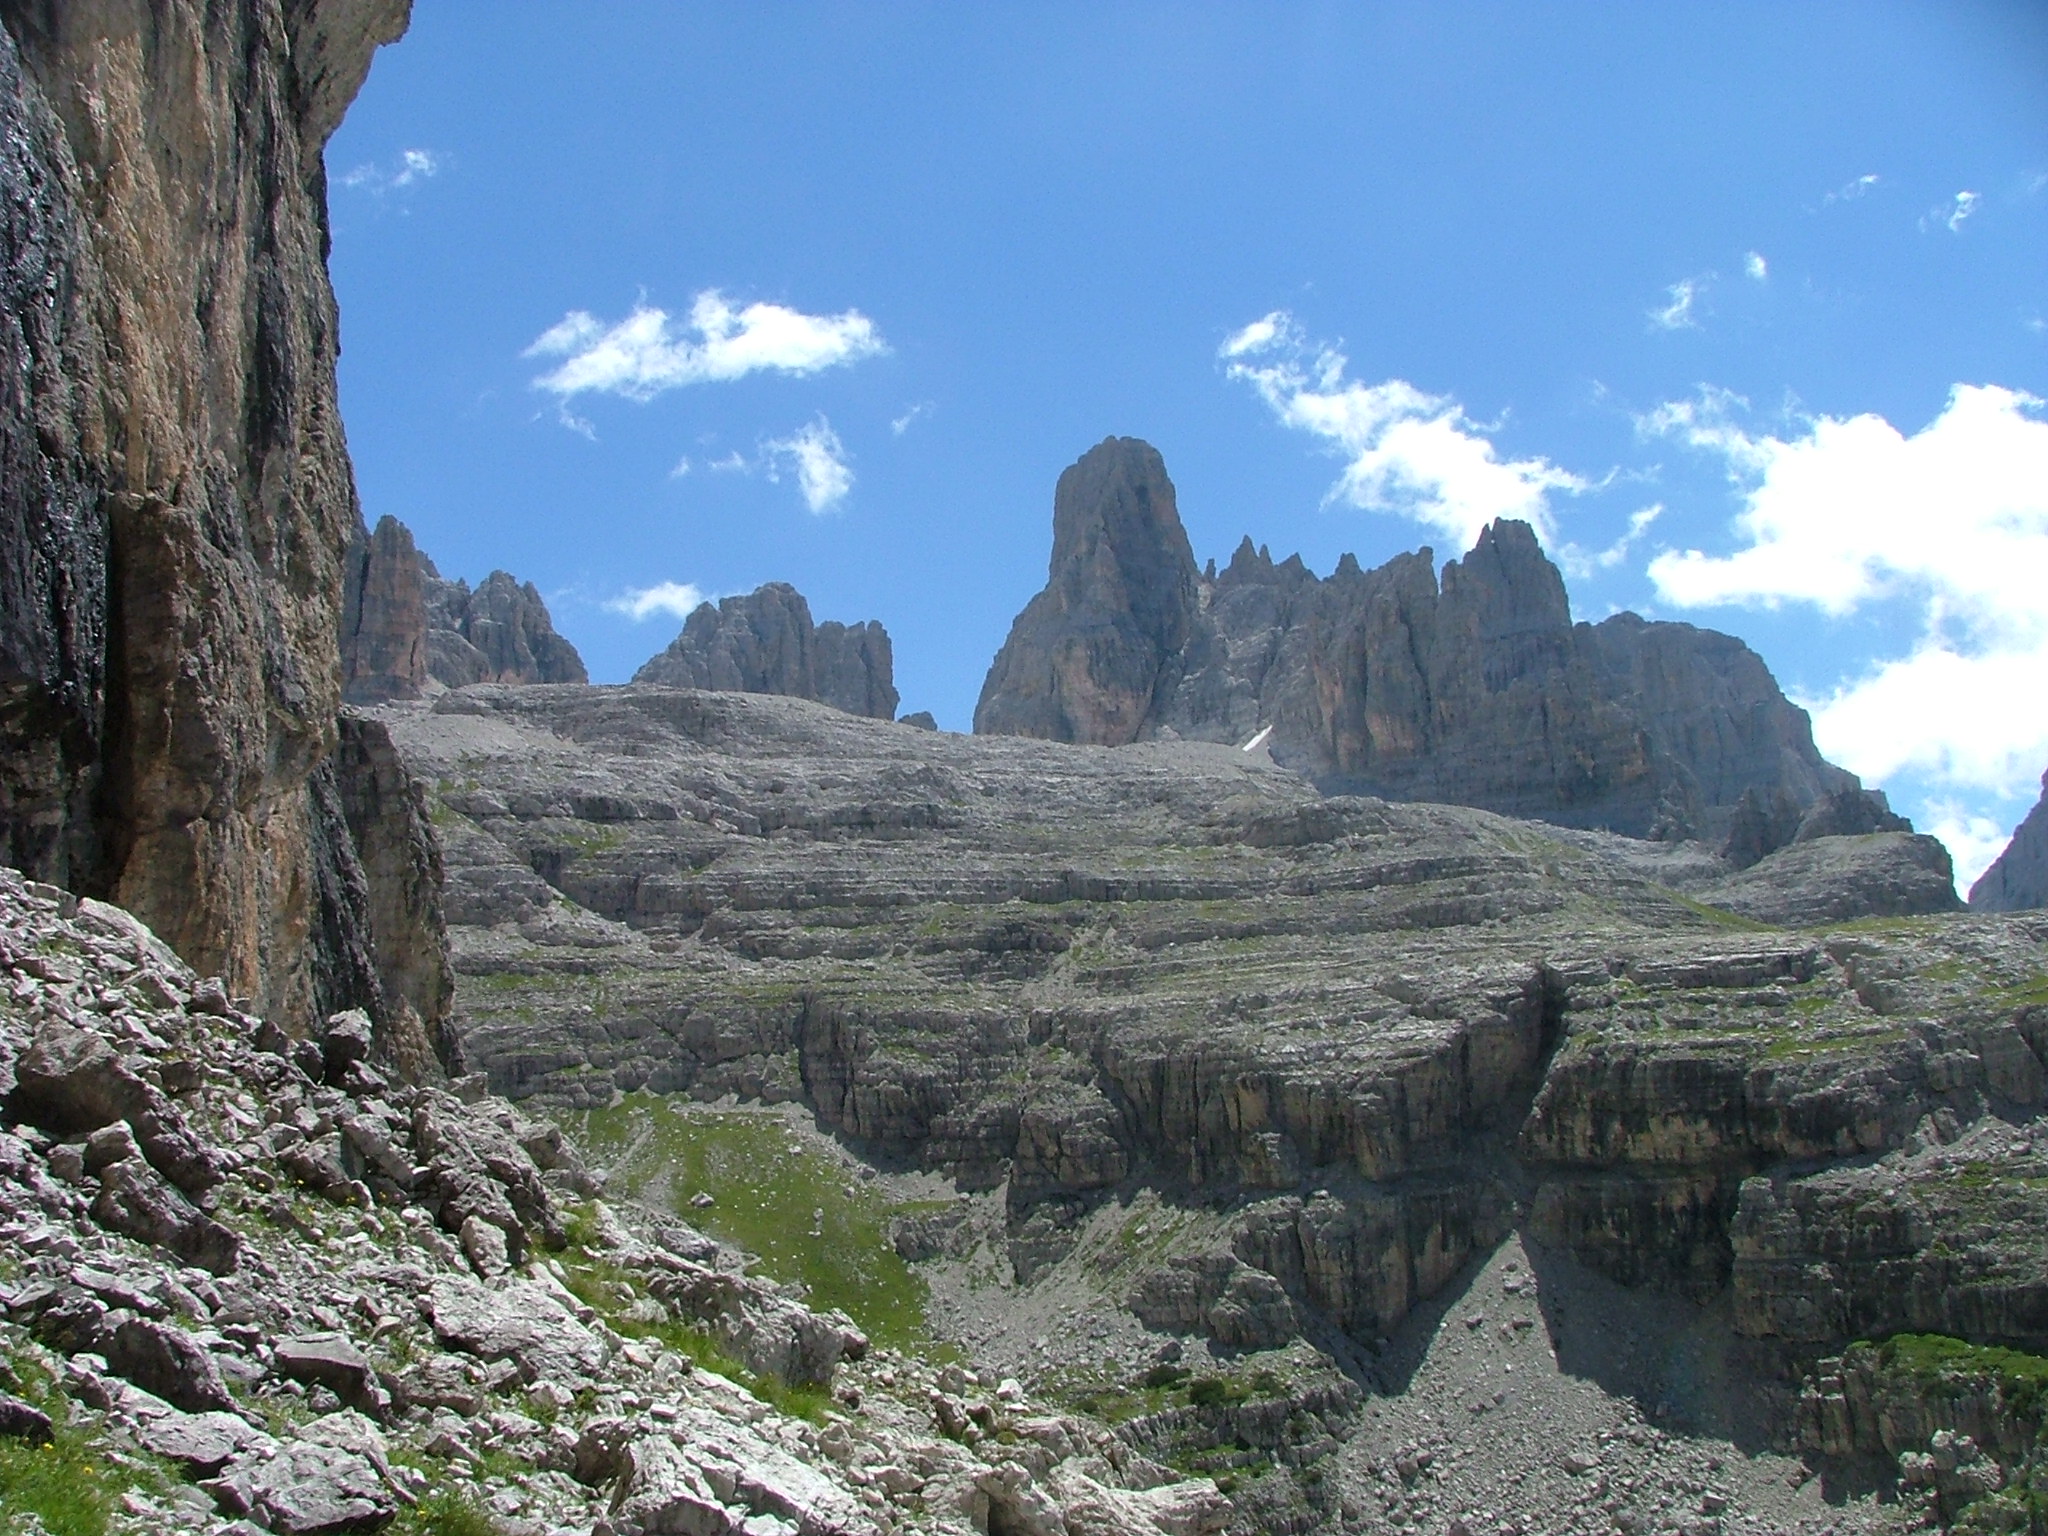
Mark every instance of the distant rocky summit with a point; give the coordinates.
(1476, 689)
(765, 642)
(402, 625)
(2018, 877)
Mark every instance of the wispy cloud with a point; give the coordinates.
(1755, 268)
(679, 599)
(917, 412)
(818, 458)
(644, 355)
(1684, 295)
(1850, 512)
(410, 168)
(1585, 562)
(1964, 205)
(1406, 451)
(1849, 191)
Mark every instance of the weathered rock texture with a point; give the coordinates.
(175, 495)
(210, 1228)
(2018, 877)
(404, 627)
(1476, 690)
(765, 642)
(1374, 1037)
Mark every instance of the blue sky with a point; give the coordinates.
(639, 298)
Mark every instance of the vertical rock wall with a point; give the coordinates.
(177, 495)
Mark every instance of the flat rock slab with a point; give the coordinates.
(516, 1321)
(203, 1442)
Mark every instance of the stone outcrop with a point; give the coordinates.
(404, 628)
(2018, 877)
(1370, 1038)
(417, 1329)
(1476, 688)
(1096, 656)
(765, 642)
(175, 494)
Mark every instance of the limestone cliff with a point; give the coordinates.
(175, 493)
(1477, 689)
(2018, 877)
(765, 642)
(404, 625)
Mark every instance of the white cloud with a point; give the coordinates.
(679, 599)
(682, 469)
(819, 460)
(903, 423)
(1973, 841)
(643, 355)
(1851, 190)
(1584, 562)
(1953, 518)
(1677, 315)
(412, 166)
(1757, 269)
(1950, 215)
(1407, 451)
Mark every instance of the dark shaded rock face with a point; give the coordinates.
(175, 494)
(765, 642)
(2018, 877)
(1096, 655)
(403, 625)
(1477, 690)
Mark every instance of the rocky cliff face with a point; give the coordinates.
(176, 493)
(2018, 877)
(1477, 689)
(1095, 656)
(404, 626)
(1220, 1065)
(765, 642)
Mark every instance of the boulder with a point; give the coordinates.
(165, 1360)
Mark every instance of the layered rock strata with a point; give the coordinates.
(765, 642)
(1378, 1036)
(2018, 877)
(176, 494)
(1475, 689)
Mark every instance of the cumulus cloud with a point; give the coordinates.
(679, 599)
(818, 460)
(1406, 451)
(1677, 315)
(412, 167)
(1953, 518)
(1972, 841)
(644, 354)
(1756, 268)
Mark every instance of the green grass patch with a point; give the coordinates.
(1720, 917)
(69, 1483)
(1941, 1366)
(802, 1212)
(1794, 1046)
(445, 1512)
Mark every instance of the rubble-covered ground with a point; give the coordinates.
(251, 1283)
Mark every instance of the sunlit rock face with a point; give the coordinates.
(176, 495)
(764, 641)
(1475, 688)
